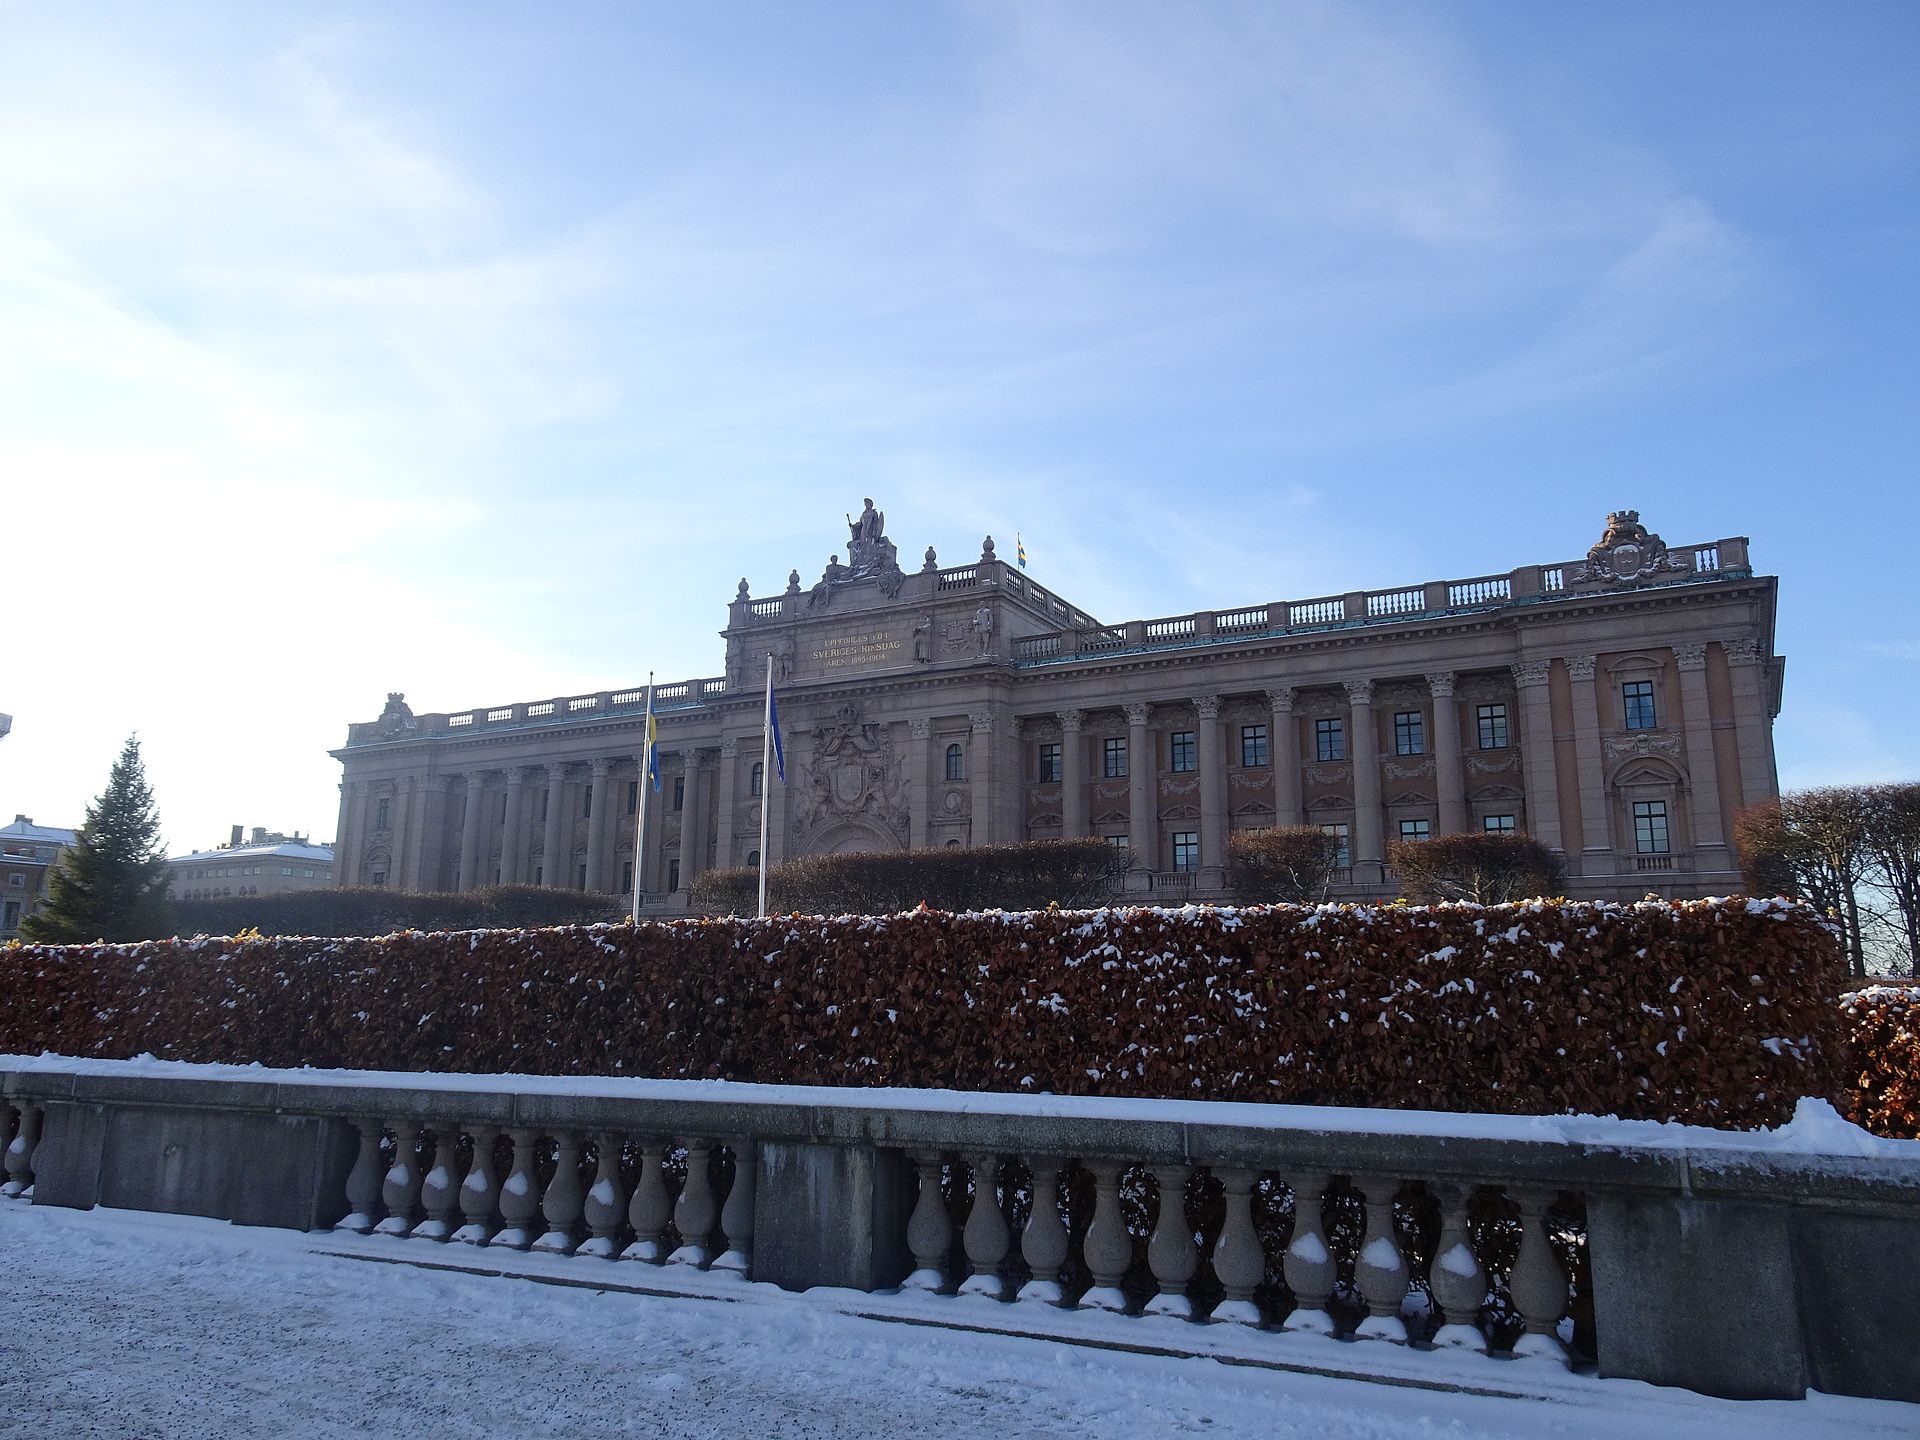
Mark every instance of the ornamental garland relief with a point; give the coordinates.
(1623, 747)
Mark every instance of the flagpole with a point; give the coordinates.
(766, 782)
(640, 824)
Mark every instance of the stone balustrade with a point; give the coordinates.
(1688, 1258)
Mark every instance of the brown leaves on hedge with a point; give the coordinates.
(1717, 1012)
(1883, 1069)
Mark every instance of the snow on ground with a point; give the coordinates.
(124, 1325)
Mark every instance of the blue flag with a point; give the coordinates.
(653, 745)
(779, 752)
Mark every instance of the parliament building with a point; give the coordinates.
(1617, 707)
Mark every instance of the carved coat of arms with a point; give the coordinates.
(854, 772)
(1627, 552)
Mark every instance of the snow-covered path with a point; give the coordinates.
(113, 1324)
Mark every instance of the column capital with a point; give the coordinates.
(1579, 667)
(1690, 657)
(1137, 712)
(1528, 673)
(1071, 721)
(981, 721)
(1359, 692)
(557, 772)
(438, 783)
(599, 766)
(1741, 652)
(920, 729)
(1206, 707)
(1440, 684)
(730, 748)
(1016, 724)
(519, 774)
(1282, 698)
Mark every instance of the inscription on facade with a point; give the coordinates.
(865, 647)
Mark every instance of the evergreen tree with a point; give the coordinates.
(111, 884)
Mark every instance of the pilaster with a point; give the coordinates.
(1449, 766)
(599, 825)
(1285, 751)
(1536, 753)
(1363, 749)
(1213, 791)
(1703, 777)
(919, 791)
(1073, 775)
(1597, 840)
(726, 822)
(1143, 821)
(980, 776)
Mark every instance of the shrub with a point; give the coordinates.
(1027, 876)
(1293, 864)
(1481, 869)
(1717, 1011)
(1883, 1066)
(377, 911)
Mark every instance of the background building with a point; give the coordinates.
(261, 864)
(27, 856)
(1618, 707)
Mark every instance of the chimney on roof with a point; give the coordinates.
(233, 840)
(259, 834)
(20, 819)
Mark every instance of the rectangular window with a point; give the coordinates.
(1650, 827)
(1113, 758)
(757, 779)
(380, 812)
(626, 877)
(1497, 824)
(673, 874)
(1118, 842)
(1637, 697)
(286, 869)
(586, 803)
(1253, 746)
(633, 797)
(679, 797)
(1344, 857)
(503, 809)
(1409, 733)
(18, 882)
(1182, 752)
(539, 875)
(379, 879)
(1186, 850)
(956, 762)
(1049, 764)
(1329, 740)
(1416, 830)
(582, 878)
(13, 916)
(1493, 727)
(541, 817)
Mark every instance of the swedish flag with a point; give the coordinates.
(653, 744)
(1019, 549)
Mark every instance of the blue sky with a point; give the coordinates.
(477, 351)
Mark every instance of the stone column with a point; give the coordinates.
(1752, 724)
(919, 788)
(1449, 766)
(599, 826)
(726, 823)
(513, 844)
(426, 833)
(693, 823)
(1703, 775)
(472, 862)
(980, 777)
(1285, 750)
(555, 851)
(1536, 753)
(1143, 821)
(1363, 751)
(1213, 789)
(1596, 842)
(398, 851)
(1073, 775)
(342, 842)
(351, 846)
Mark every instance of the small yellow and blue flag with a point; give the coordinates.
(1019, 549)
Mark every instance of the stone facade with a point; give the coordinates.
(1619, 708)
(28, 853)
(264, 863)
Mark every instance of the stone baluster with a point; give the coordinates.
(400, 1192)
(736, 1216)
(985, 1236)
(479, 1192)
(20, 1152)
(1045, 1242)
(1380, 1272)
(606, 1204)
(1108, 1249)
(1458, 1281)
(439, 1192)
(930, 1228)
(649, 1209)
(1538, 1285)
(363, 1181)
(561, 1203)
(694, 1213)
(1308, 1264)
(8, 1114)
(519, 1203)
(1239, 1264)
(1170, 1251)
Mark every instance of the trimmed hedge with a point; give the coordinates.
(1715, 1011)
(370, 910)
(1883, 1032)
